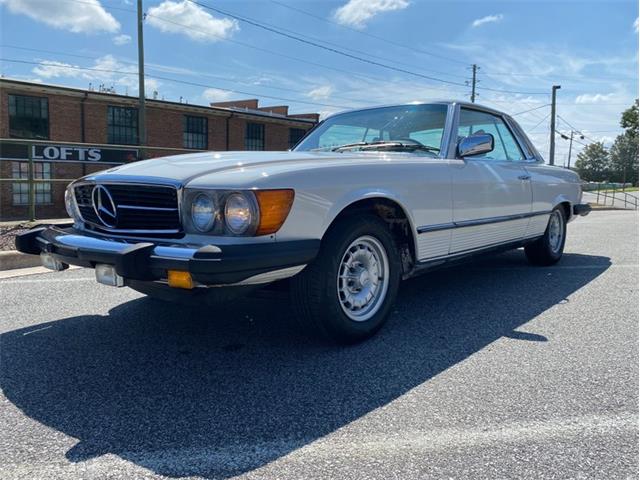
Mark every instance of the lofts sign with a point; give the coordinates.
(67, 153)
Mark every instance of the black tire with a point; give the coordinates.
(547, 250)
(314, 292)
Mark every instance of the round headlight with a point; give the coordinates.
(237, 213)
(70, 204)
(203, 212)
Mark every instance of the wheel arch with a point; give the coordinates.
(390, 209)
(566, 204)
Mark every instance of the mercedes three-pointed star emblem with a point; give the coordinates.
(104, 206)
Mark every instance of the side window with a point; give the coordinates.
(506, 148)
(430, 138)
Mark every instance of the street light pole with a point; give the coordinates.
(552, 139)
(142, 125)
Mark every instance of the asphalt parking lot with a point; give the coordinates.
(491, 370)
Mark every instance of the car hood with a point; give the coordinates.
(184, 169)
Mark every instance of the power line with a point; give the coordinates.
(574, 140)
(575, 129)
(531, 109)
(298, 38)
(272, 52)
(293, 36)
(370, 35)
(248, 45)
(164, 69)
(167, 79)
(539, 123)
(582, 77)
(367, 54)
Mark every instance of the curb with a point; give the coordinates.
(12, 259)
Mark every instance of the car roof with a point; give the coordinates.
(465, 104)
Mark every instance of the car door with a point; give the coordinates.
(491, 192)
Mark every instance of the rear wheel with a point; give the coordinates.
(347, 293)
(548, 249)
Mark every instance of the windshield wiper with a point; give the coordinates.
(386, 144)
(347, 146)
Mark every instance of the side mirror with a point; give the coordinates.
(476, 144)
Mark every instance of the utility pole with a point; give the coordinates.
(474, 69)
(570, 145)
(552, 139)
(142, 124)
(570, 138)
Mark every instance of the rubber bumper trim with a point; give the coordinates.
(582, 209)
(147, 261)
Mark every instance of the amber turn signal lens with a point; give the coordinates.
(178, 279)
(274, 208)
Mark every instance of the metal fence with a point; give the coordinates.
(86, 154)
(610, 195)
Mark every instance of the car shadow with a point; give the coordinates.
(216, 392)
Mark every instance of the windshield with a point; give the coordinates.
(397, 128)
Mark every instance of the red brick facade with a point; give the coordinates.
(81, 116)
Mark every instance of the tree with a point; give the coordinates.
(624, 152)
(593, 163)
(624, 158)
(629, 119)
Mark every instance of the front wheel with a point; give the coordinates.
(548, 249)
(347, 293)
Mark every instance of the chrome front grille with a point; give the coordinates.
(138, 209)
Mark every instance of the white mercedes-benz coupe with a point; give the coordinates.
(367, 198)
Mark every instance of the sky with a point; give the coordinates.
(330, 55)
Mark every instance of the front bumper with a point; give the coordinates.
(582, 209)
(146, 261)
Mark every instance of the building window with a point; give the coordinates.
(194, 132)
(28, 117)
(295, 135)
(20, 190)
(254, 137)
(122, 125)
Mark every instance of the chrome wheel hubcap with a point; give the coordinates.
(363, 278)
(555, 231)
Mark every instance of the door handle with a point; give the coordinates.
(524, 177)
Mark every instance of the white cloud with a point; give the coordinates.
(636, 27)
(122, 39)
(488, 19)
(86, 17)
(356, 13)
(216, 95)
(107, 70)
(321, 93)
(191, 20)
(594, 97)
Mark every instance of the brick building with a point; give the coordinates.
(62, 119)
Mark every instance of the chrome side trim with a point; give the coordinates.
(480, 221)
(436, 228)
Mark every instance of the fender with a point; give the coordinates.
(563, 198)
(354, 196)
